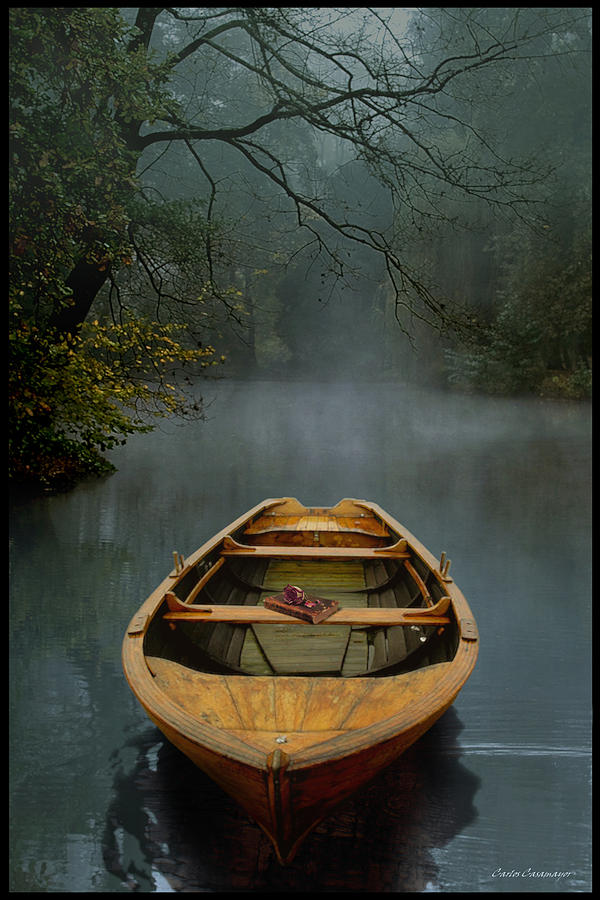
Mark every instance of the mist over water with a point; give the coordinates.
(101, 803)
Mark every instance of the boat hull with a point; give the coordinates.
(287, 801)
(288, 779)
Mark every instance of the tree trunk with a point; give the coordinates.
(85, 280)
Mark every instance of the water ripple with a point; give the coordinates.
(491, 749)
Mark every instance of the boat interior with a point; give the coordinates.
(288, 544)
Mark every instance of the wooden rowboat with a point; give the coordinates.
(290, 718)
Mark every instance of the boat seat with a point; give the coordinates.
(357, 616)
(231, 547)
(357, 524)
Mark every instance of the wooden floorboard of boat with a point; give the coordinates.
(252, 657)
(357, 653)
(315, 576)
(389, 644)
(288, 649)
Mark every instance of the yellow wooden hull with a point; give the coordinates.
(290, 748)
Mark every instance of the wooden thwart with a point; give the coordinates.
(380, 616)
(231, 547)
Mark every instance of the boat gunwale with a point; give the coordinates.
(160, 707)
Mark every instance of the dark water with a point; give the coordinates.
(495, 798)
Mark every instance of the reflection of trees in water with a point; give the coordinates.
(169, 818)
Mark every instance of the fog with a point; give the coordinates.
(502, 780)
(460, 209)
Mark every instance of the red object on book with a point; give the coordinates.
(293, 601)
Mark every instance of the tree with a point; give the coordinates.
(77, 387)
(528, 288)
(239, 99)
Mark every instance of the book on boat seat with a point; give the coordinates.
(293, 601)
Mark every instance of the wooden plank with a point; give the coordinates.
(205, 578)
(396, 644)
(289, 650)
(374, 526)
(376, 643)
(232, 548)
(232, 657)
(340, 580)
(437, 609)
(419, 582)
(205, 697)
(317, 520)
(357, 653)
(252, 658)
(262, 616)
(330, 703)
(290, 702)
(378, 652)
(395, 641)
(376, 702)
(308, 519)
(254, 700)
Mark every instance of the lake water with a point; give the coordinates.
(495, 798)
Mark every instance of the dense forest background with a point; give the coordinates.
(289, 193)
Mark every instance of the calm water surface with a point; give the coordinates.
(495, 798)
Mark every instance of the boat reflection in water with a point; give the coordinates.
(170, 826)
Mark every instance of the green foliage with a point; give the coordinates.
(540, 340)
(75, 86)
(75, 397)
(71, 171)
(524, 276)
